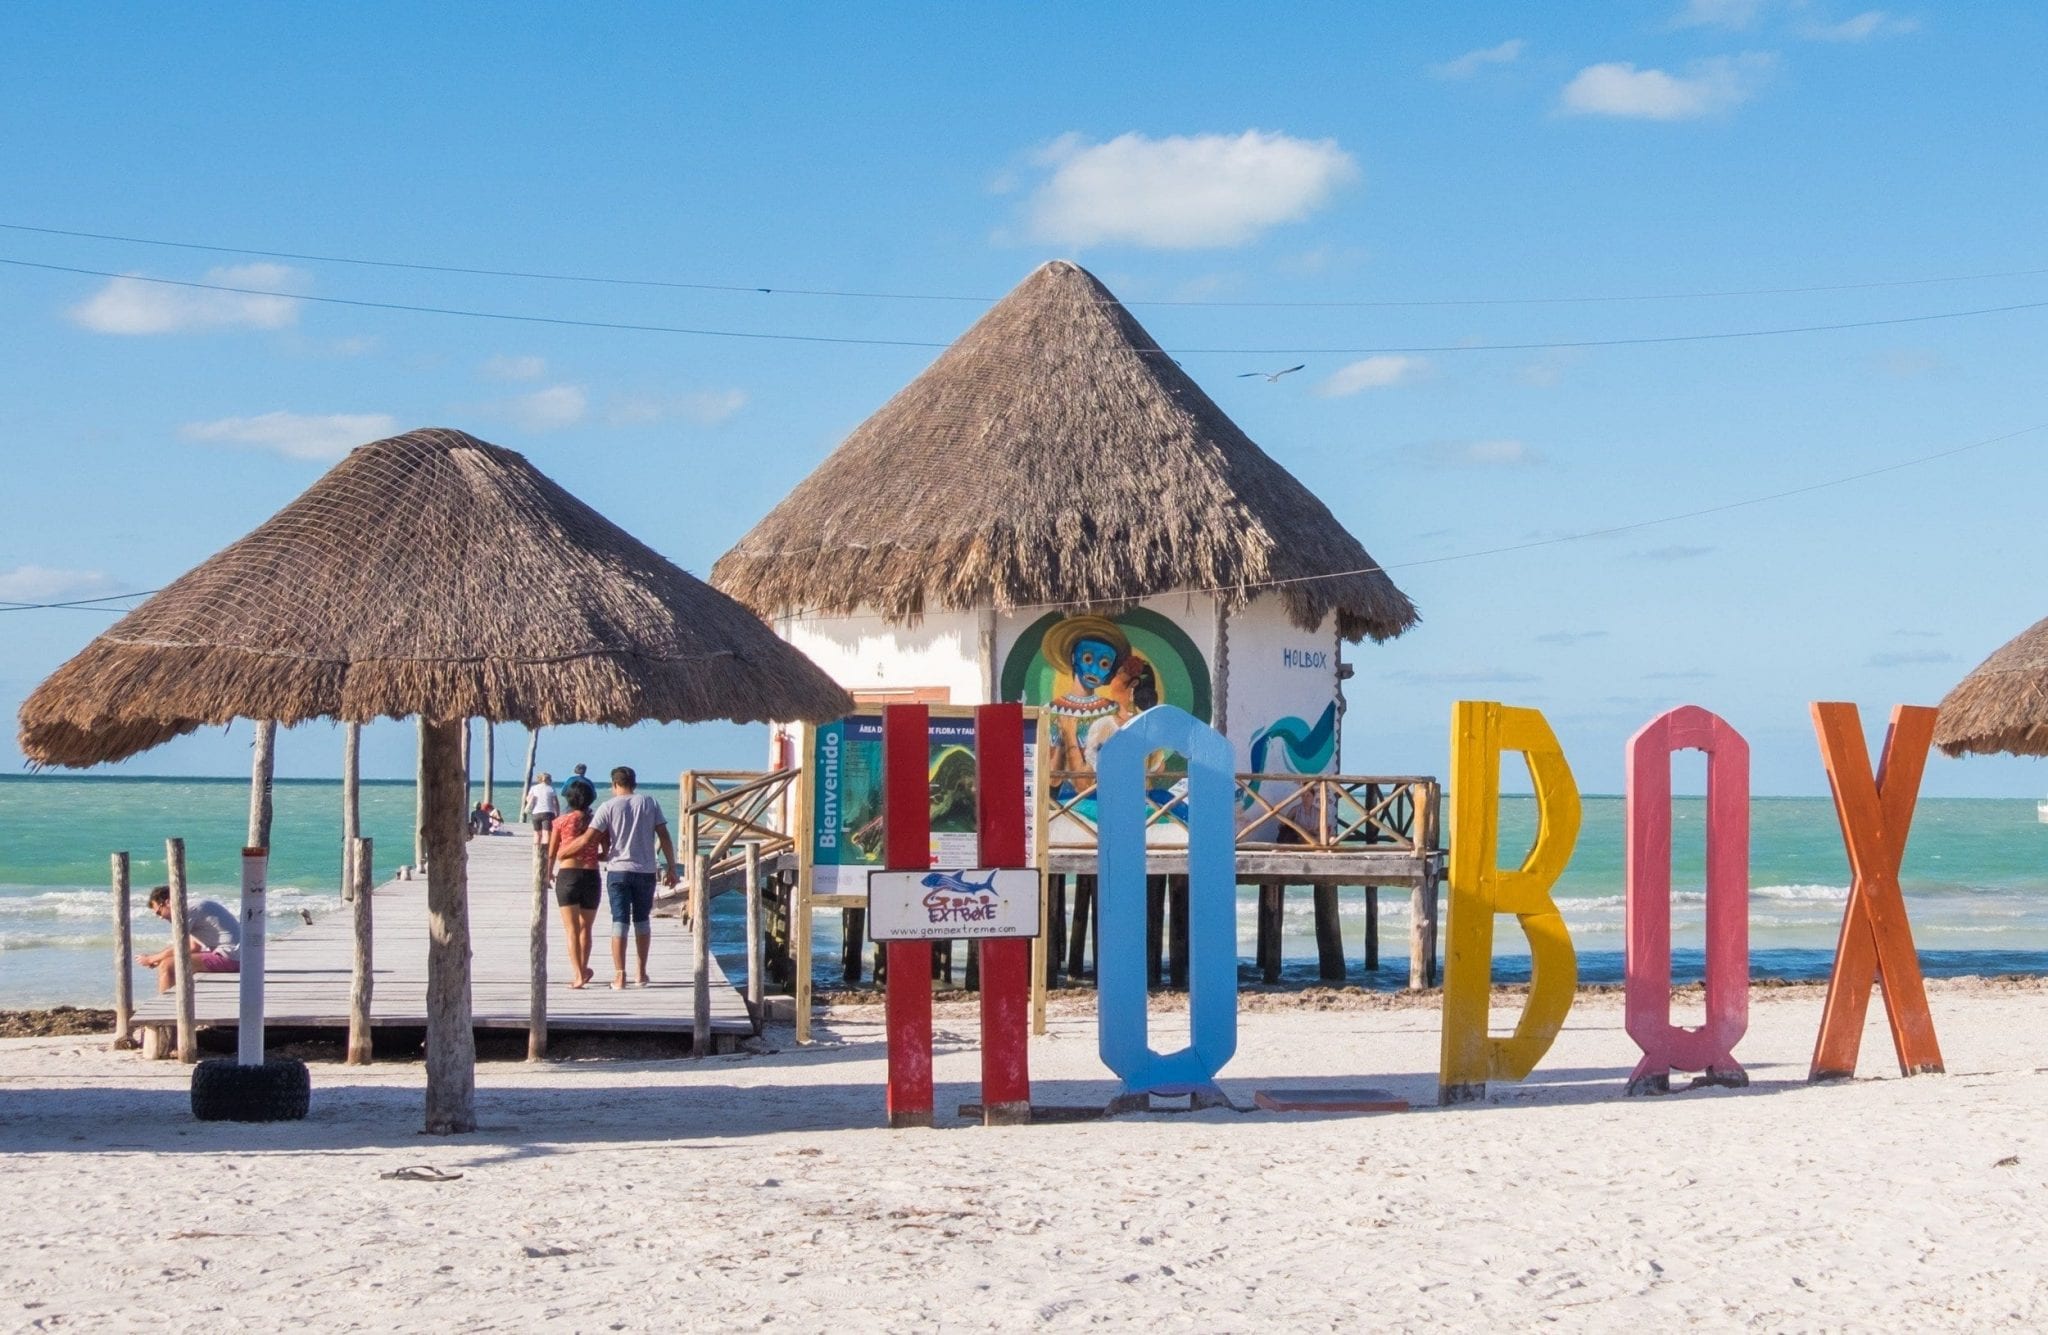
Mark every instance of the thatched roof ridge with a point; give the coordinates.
(429, 574)
(2003, 705)
(1054, 455)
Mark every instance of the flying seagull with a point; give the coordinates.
(1271, 376)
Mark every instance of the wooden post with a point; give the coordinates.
(853, 926)
(1330, 935)
(490, 762)
(1422, 900)
(1272, 907)
(700, 956)
(537, 961)
(532, 752)
(451, 1035)
(181, 954)
(351, 802)
(1372, 932)
(1056, 948)
(1155, 931)
(755, 953)
(124, 956)
(262, 764)
(1077, 943)
(419, 804)
(1177, 930)
(360, 984)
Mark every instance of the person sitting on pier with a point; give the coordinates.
(577, 886)
(214, 940)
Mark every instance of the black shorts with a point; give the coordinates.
(542, 820)
(578, 888)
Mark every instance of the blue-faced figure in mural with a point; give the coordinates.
(1111, 685)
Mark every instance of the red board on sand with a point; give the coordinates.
(1005, 964)
(907, 846)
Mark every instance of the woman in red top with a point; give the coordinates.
(577, 887)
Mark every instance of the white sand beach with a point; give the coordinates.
(761, 1190)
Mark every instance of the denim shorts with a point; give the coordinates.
(632, 898)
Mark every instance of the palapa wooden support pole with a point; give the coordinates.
(700, 956)
(1272, 902)
(1330, 936)
(907, 839)
(181, 954)
(351, 802)
(255, 919)
(490, 763)
(451, 1036)
(262, 766)
(1005, 964)
(1876, 942)
(532, 753)
(419, 804)
(537, 960)
(361, 977)
(124, 955)
(755, 950)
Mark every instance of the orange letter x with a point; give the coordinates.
(1876, 941)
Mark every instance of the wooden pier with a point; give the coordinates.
(306, 978)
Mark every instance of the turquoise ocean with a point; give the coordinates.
(1975, 876)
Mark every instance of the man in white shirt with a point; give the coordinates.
(541, 805)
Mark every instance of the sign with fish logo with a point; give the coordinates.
(952, 904)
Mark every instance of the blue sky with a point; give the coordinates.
(1474, 156)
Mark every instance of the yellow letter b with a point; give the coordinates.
(1480, 731)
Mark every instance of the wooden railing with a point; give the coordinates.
(1301, 813)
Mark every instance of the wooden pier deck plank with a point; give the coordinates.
(306, 974)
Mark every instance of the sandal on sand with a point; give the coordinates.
(420, 1173)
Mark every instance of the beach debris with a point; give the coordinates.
(2009, 1161)
(541, 1253)
(419, 1173)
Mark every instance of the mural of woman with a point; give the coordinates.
(1096, 655)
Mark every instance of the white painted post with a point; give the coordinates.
(124, 955)
(255, 906)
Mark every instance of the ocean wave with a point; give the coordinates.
(284, 902)
(54, 941)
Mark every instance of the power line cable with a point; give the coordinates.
(780, 290)
(1604, 532)
(1290, 351)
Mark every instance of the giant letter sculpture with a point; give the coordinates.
(1480, 888)
(1876, 940)
(1711, 1047)
(1212, 910)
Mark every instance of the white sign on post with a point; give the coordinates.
(958, 904)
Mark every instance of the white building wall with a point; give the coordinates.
(1283, 691)
(865, 653)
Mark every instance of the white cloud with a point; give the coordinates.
(706, 407)
(514, 368)
(1547, 369)
(317, 436)
(133, 305)
(1862, 28)
(1497, 453)
(548, 409)
(1373, 373)
(42, 584)
(1731, 14)
(1183, 192)
(1705, 89)
(1469, 64)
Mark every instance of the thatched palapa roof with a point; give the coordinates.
(2003, 705)
(429, 574)
(1054, 456)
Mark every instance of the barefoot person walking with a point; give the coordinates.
(541, 805)
(577, 887)
(631, 825)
